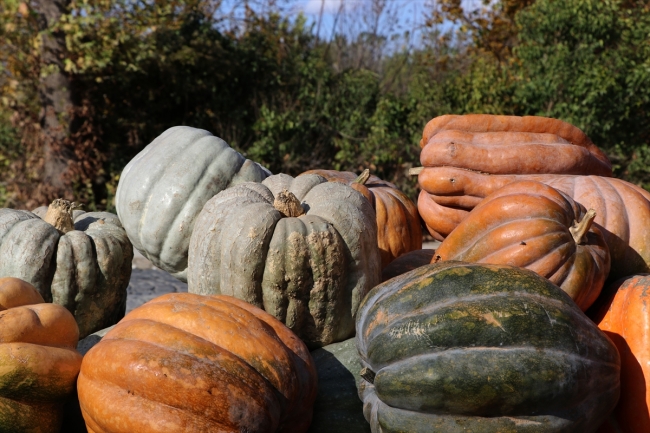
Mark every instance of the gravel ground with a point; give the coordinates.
(148, 282)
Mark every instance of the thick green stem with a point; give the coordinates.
(363, 177)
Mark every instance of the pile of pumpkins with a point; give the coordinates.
(312, 306)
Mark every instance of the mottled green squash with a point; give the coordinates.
(458, 347)
(338, 407)
(86, 269)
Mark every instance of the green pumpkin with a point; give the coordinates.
(304, 249)
(338, 407)
(458, 347)
(164, 187)
(86, 269)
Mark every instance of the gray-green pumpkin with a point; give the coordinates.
(164, 187)
(338, 407)
(303, 249)
(86, 269)
(457, 347)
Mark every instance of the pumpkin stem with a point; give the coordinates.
(288, 205)
(59, 214)
(579, 229)
(363, 177)
(415, 171)
(368, 375)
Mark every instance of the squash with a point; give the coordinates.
(189, 363)
(164, 187)
(304, 249)
(83, 264)
(338, 407)
(399, 229)
(534, 226)
(622, 209)
(511, 145)
(407, 262)
(622, 313)
(456, 347)
(38, 360)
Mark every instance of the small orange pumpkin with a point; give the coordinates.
(38, 360)
(399, 229)
(191, 363)
(622, 313)
(532, 225)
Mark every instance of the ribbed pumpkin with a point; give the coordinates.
(407, 262)
(622, 209)
(532, 225)
(457, 347)
(623, 314)
(399, 229)
(190, 363)
(38, 360)
(511, 145)
(304, 249)
(84, 265)
(164, 187)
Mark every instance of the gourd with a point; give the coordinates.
(304, 249)
(38, 360)
(622, 209)
(622, 313)
(83, 264)
(164, 187)
(511, 145)
(189, 363)
(456, 347)
(399, 229)
(532, 225)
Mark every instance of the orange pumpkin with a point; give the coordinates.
(510, 145)
(622, 209)
(190, 363)
(533, 226)
(623, 313)
(38, 360)
(399, 229)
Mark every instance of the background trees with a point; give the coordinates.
(72, 114)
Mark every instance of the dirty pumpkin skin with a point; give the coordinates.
(81, 260)
(307, 260)
(38, 360)
(189, 363)
(456, 347)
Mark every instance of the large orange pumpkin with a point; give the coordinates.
(38, 360)
(622, 209)
(191, 363)
(510, 145)
(623, 313)
(399, 229)
(531, 225)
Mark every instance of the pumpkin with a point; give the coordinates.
(189, 363)
(407, 262)
(511, 145)
(338, 407)
(38, 360)
(164, 187)
(622, 209)
(83, 264)
(622, 313)
(399, 229)
(304, 249)
(457, 347)
(534, 226)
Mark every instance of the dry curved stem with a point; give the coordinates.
(59, 214)
(287, 204)
(414, 171)
(363, 177)
(368, 375)
(580, 229)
